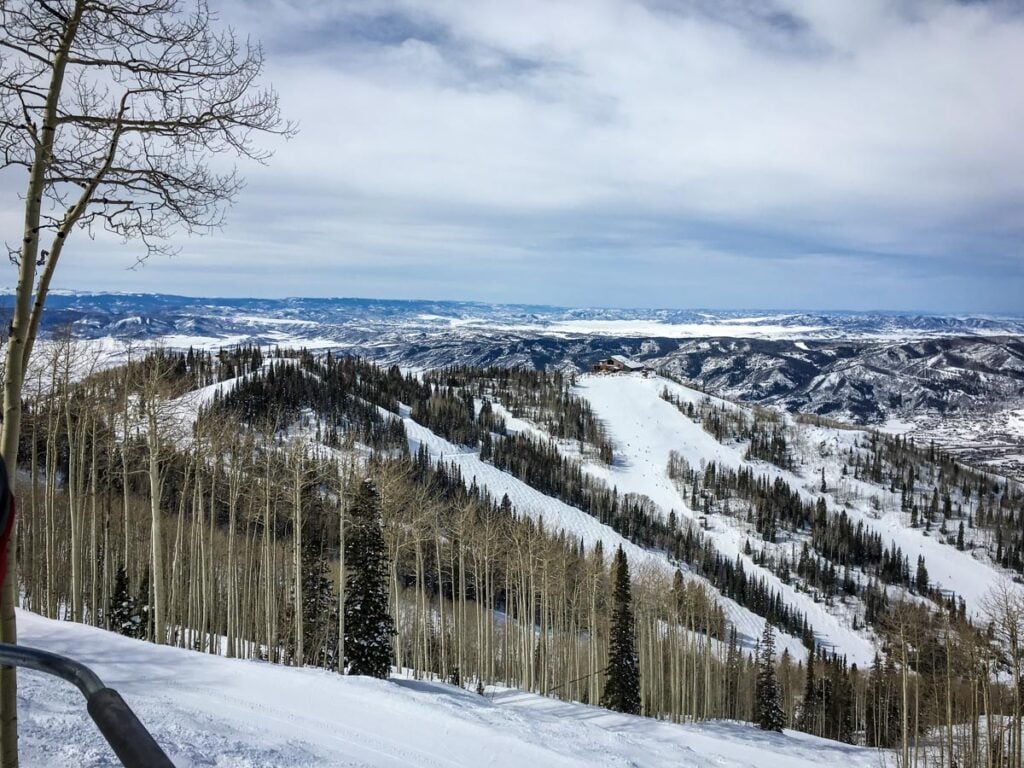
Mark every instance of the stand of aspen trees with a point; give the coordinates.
(216, 527)
(209, 532)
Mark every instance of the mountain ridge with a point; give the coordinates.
(956, 379)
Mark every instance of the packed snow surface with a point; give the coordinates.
(211, 711)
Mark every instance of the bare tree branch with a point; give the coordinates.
(117, 109)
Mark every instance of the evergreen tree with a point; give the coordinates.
(770, 716)
(734, 673)
(319, 607)
(808, 711)
(622, 684)
(368, 624)
(841, 713)
(882, 716)
(922, 575)
(125, 616)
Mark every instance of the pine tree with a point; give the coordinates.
(125, 615)
(368, 624)
(622, 684)
(841, 706)
(770, 716)
(921, 577)
(808, 710)
(319, 607)
(734, 670)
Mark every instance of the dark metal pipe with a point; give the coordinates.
(134, 746)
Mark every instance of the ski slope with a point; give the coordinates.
(558, 515)
(970, 577)
(212, 711)
(646, 429)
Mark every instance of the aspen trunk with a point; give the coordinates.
(156, 533)
(299, 468)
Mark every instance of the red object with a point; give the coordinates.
(4, 539)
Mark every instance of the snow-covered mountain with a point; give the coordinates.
(964, 392)
(349, 319)
(647, 427)
(208, 710)
(956, 379)
(217, 711)
(863, 381)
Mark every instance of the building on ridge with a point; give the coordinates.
(618, 364)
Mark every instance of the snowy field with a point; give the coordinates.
(212, 711)
(744, 328)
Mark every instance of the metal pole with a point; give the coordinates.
(134, 746)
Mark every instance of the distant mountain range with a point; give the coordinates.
(146, 315)
(955, 378)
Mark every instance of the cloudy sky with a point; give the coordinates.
(853, 154)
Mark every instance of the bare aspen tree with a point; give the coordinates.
(1004, 608)
(299, 480)
(126, 427)
(234, 494)
(160, 426)
(343, 575)
(115, 109)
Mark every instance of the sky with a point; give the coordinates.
(849, 154)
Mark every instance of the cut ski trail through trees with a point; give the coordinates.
(646, 429)
(558, 515)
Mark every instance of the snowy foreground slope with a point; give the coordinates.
(212, 711)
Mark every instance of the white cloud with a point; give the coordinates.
(453, 131)
(671, 113)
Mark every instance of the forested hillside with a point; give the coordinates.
(255, 503)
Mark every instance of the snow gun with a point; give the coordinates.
(134, 746)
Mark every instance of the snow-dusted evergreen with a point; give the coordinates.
(319, 606)
(769, 703)
(368, 623)
(622, 686)
(125, 615)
